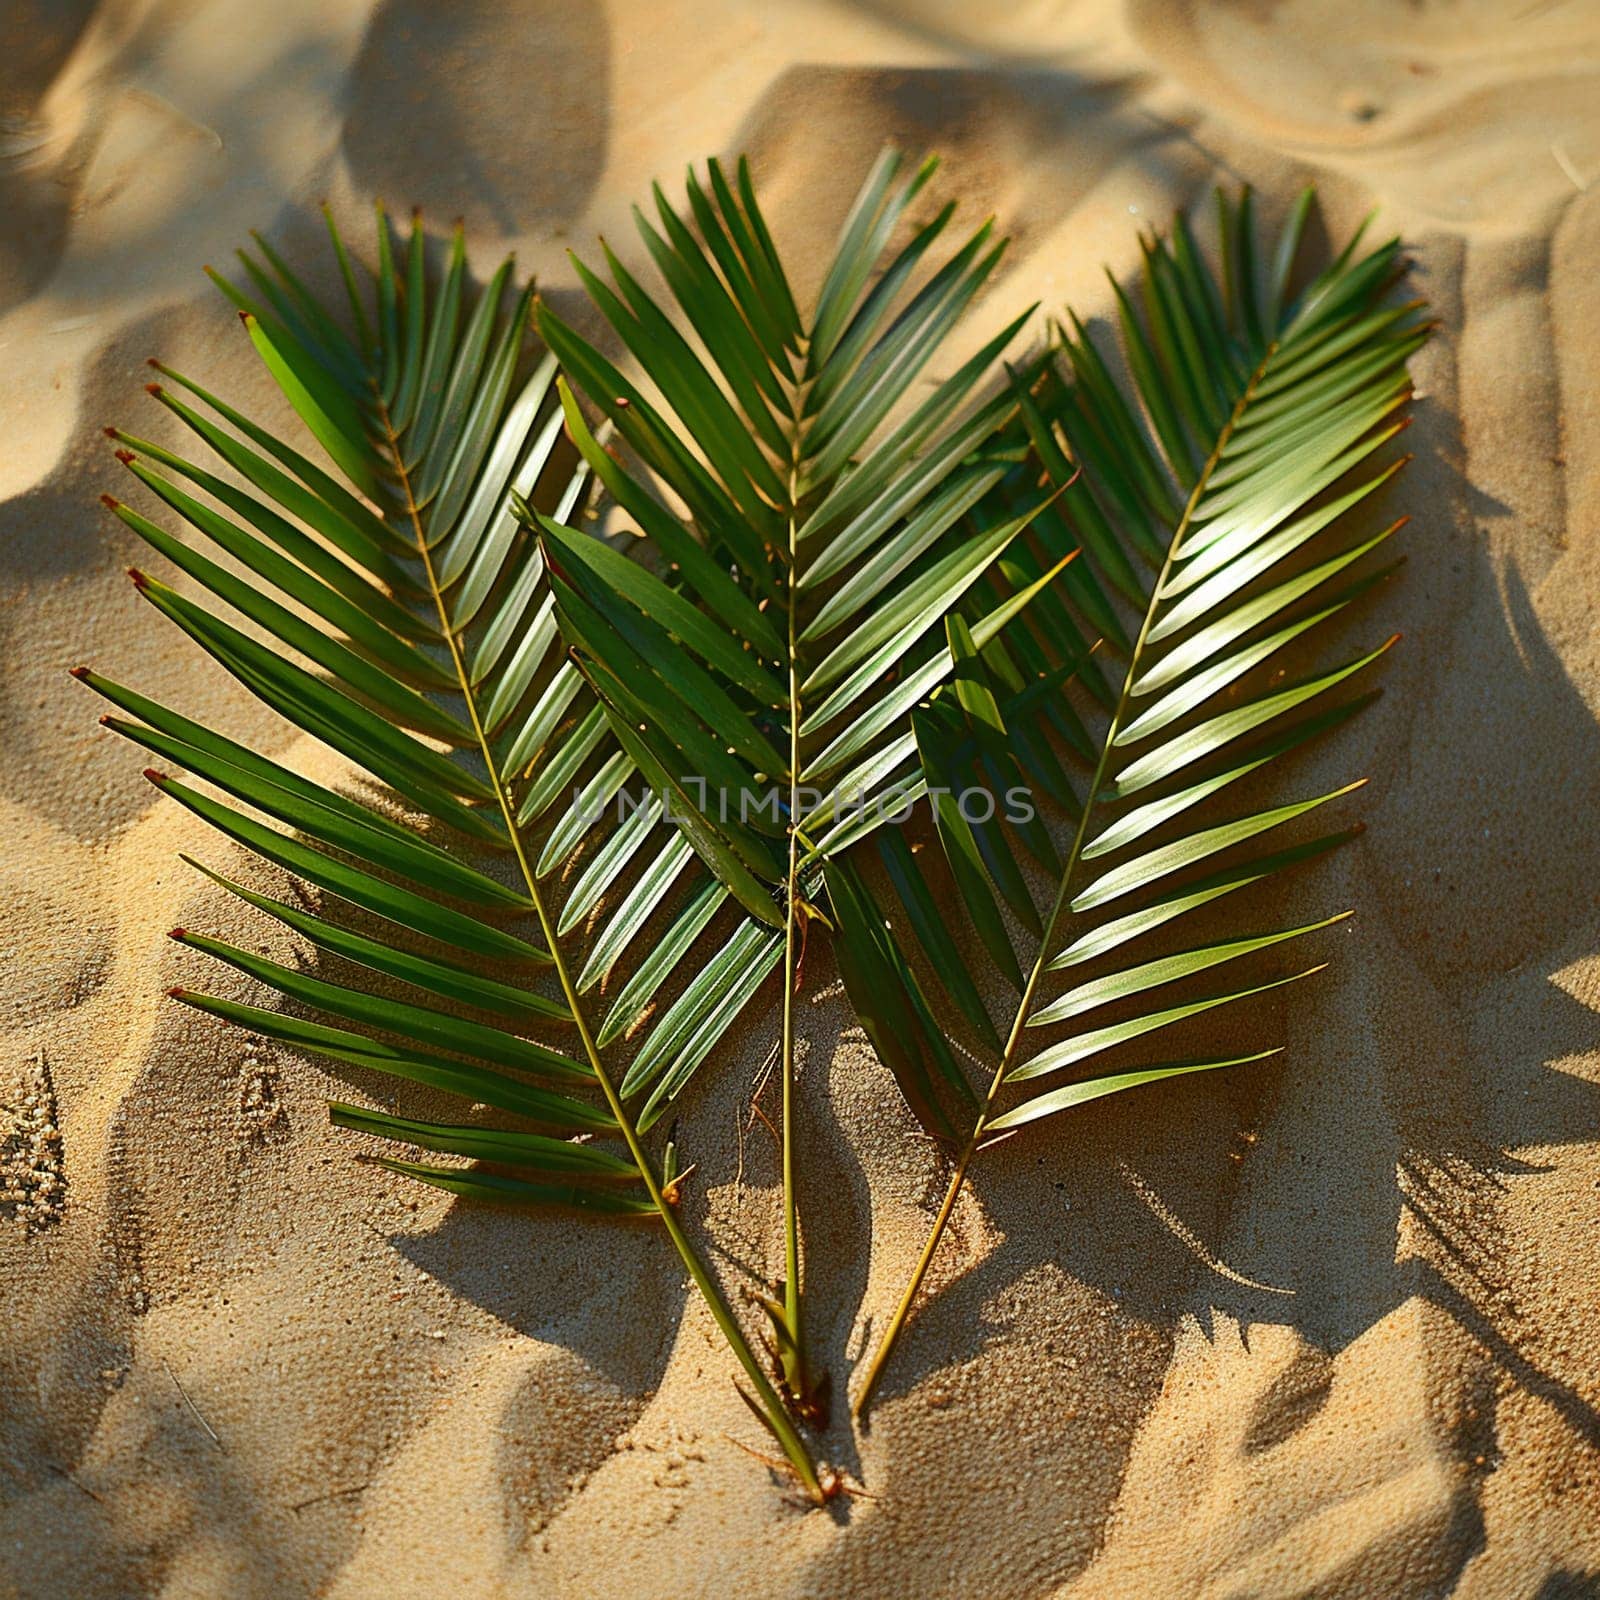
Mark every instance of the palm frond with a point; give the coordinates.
(821, 505)
(1261, 425)
(375, 587)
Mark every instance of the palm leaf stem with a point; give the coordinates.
(793, 1354)
(974, 1142)
(774, 1413)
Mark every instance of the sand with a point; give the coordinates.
(1327, 1329)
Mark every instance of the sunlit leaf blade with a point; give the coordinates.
(442, 979)
(1107, 936)
(362, 837)
(637, 994)
(691, 1026)
(499, 1189)
(537, 1152)
(471, 1083)
(1162, 970)
(1084, 1046)
(420, 1025)
(614, 857)
(1077, 1094)
(338, 434)
(1152, 866)
(383, 898)
(1133, 823)
(1216, 733)
(633, 911)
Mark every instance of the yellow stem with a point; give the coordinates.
(794, 1315)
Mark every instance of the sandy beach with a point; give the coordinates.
(1326, 1330)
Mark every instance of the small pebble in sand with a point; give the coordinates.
(1359, 107)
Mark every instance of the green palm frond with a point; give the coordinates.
(1262, 425)
(828, 506)
(376, 588)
